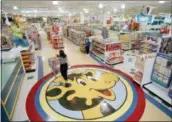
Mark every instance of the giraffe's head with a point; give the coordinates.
(85, 89)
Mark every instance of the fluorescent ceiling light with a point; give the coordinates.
(15, 7)
(55, 2)
(100, 5)
(60, 9)
(161, 1)
(108, 12)
(123, 6)
(85, 10)
(115, 10)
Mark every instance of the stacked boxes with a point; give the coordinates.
(28, 60)
(57, 41)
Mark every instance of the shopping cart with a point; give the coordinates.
(54, 64)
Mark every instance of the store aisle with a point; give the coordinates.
(75, 57)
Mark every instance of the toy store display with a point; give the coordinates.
(6, 39)
(107, 51)
(28, 60)
(131, 40)
(117, 25)
(76, 36)
(151, 44)
(32, 34)
(57, 41)
(143, 68)
(129, 61)
(82, 46)
(161, 77)
(166, 46)
(162, 70)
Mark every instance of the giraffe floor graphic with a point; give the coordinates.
(92, 92)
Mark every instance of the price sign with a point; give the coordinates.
(113, 46)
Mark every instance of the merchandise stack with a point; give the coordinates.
(109, 52)
(28, 60)
(6, 39)
(130, 41)
(76, 36)
(82, 46)
(57, 41)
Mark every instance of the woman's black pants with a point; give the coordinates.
(63, 70)
(87, 49)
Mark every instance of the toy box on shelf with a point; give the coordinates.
(57, 41)
(143, 68)
(107, 51)
(161, 77)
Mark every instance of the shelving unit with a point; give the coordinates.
(143, 68)
(108, 52)
(82, 46)
(57, 41)
(76, 36)
(28, 60)
(161, 78)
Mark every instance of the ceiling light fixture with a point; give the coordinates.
(60, 9)
(85, 10)
(123, 6)
(15, 7)
(115, 10)
(161, 1)
(100, 5)
(55, 2)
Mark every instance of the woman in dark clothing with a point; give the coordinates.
(63, 64)
(87, 46)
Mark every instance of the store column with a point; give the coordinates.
(104, 19)
(82, 18)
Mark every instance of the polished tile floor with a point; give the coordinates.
(75, 57)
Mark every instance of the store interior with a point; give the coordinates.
(118, 60)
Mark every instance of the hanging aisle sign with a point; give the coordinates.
(140, 18)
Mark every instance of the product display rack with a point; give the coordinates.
(28, 60)
(57, 41)
(76, 36)
(82, 46)
(143, 68)
(161, 78)
(108, 52)
(131, 40)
